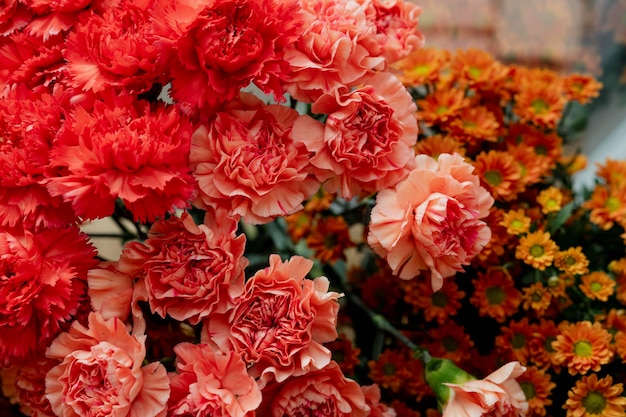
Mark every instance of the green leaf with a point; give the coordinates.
(561, 217)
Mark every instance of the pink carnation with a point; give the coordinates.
(121, 148)
(25, 384)
(280, 321)
(498, 395)
(372, 399)
(110, 291)
(43, 284)
(396, 27)
(337, 49)
(188, 271)
(246, 161)
(100, 372)
(217, 47)
(367, 141)
(327, 391)
(116, 50)
(431, 221)
(211, 383)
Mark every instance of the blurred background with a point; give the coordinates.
(583, 36)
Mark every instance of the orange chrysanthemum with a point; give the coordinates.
(498, 172)
(475, 124)
(607, 205)
(573, 163)
(399, 372)
(537, 387)
(581, 88)
(593, 397)
(537, 298)
(597, 286)
(495, 294)
(582, 347)
(550, 200)
(572, 261)
(450, 342)
(441, 105)
(537, 250)
(476, 67)
(345, 354)
(539, 103)
(437, 144)
(546, 145)
(540, 344)
(533, 167)
(422, 66)
(513, 342)
(436, 305)
(516, 222)
(329, 239)
(613, 172)
(619, 341)
(298, 225)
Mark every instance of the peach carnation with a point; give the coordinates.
(246, 162)
(366, 142)
(431, 221)
(100, 372)
(280, 321)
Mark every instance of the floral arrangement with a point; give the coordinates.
(383, 227)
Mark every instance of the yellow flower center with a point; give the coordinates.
(595, 286)
(518, 341)
(450, 344)
(536, 250)
(570, 260)
(442, 109)
(552, 204)
(539, 106)
(493, 178)
(439, 299)
(594, 402)
(541, 150)
(495, 295)
(469, 124)
(529, 390)
(612, 204)
(517, 224)
(389, 369)
(536, 297)
(423, 69)
(583, 349)
(474, 72)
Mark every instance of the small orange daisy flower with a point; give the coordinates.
(436, 305)
(572, 261)
(495, 294)
(539, 103)
(582, 347)
(620, 344)
(537, 298)
(450, 342)
(597, 286)
(513, 342)
(540, 344)
(593, 397)
(536, 249)
(537, 387)
(441, 105)
(399, 372)
(550, 200)
(475, 124)
(345, 354)
(437, 144)
(476, 67)
(607, 205)
(581, 88)
(329, 238)
(422, 66)
(613, 172)
(298, 225)
(498, 172)
(533, 167)
(516, 222)
(574, 163)
(548, 145)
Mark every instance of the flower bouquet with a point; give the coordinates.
(295, 241)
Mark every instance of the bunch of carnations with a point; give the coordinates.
(138, 111)
(548, 288)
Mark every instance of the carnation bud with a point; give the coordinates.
(443, 371)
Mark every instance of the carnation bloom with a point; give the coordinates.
(54, 16)
(14, 15)
(116, 50)
(100, 373)
(188, 271)
(29, 122)
(372, 399)
(498, 395)
(595, 397)
(43, 284)
(326, 392)
(365, 145)
(432, 219)
(24, 383)
(122, 149)
(215, 48)
(337, 48)
(582, 347)
(246, 161)
(396, 24)
(211, 383)
(280, 321)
